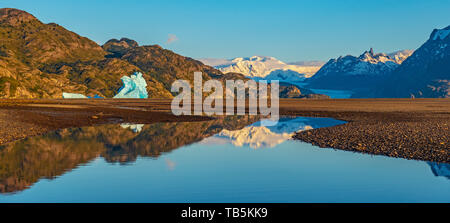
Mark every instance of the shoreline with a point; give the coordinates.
(403, 128)
(416, 129)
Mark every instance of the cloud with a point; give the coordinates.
(170, 164)
(172, 38)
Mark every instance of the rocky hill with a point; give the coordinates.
(22, 163)
(40, 60)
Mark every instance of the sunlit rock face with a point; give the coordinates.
(357, 74)
(257, 136)
(133, 87)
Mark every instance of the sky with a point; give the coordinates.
(288, 30)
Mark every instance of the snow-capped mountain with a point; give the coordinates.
(367, 63)
(263, 67)
(426, 73)
(350, 72)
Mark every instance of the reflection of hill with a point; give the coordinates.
(24, 162)
(440, 169)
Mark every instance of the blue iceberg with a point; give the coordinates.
(133, 87)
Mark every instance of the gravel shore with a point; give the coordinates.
(407, 128)
(411, 129)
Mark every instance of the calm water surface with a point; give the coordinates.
(226, 160)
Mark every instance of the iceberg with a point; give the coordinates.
(133, 87)
(72, 95)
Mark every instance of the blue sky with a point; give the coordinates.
(288, 30)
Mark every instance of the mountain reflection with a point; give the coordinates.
(257, 136)
(24, 162)
(440, 169)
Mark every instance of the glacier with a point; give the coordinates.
(134, 86)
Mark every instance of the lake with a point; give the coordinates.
(230, 159)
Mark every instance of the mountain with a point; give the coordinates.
(400, 56)
(355, 73)
(255, 137)
(24, 162)
(40, 60)
(263, 67)
(163, 66)
(425, 74)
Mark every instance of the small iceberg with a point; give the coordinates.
(72, 95)
(75, 95)
(133, 87)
